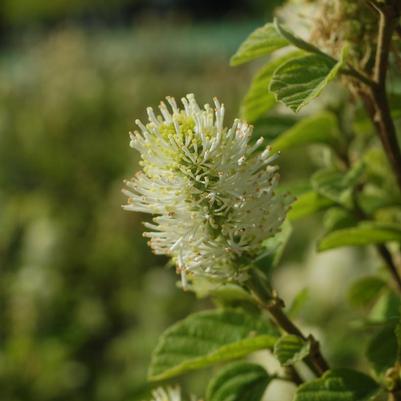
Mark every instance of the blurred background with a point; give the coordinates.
(82, 299)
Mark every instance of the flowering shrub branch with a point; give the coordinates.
(221, 216)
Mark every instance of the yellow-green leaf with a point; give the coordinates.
(259, 43)
(206, 338)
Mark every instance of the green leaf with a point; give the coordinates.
(298, 302)
(271, 126)
(297, 82)
(386, 308)
(308, 203)
(206, 338)
(336, 185)
(338, 385)
(365, 291)
(321, 128)
(331, 184)
(290, 349)
(258, 100)
(382, 350)
(337, 218)
(273, 248)
(261, 42)
(241, 381)
(298, 42)
(364, 234)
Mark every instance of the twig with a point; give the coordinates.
(379, 108)
(391, 266)
(293, 375)
(315, 360)
(274, 305)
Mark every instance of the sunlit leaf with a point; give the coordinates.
(297, 41)
(364, 234)
(259, 43)
(308, 203)
(206, 338)
(258, 100)
(297, 82)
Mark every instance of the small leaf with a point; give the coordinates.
(273, 248)
(364, 234)
(331, 184)
(321, 128)
(206, 338)
(297, 82)
(298, 302)
(337, 218)
(290, 349)
(386, 308)
(298, 42)
(382, 350)
(241, 381)
(365, 291)
(308, 203)
(258, 100)
(338, 385)
(261, 42)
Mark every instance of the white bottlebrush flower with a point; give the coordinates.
(213, 191)
(168, 394)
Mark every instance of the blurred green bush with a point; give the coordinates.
(80, 309)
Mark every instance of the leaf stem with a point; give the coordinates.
(293, 376)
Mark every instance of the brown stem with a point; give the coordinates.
(398, 30)
(379, 108)
(293, 375)
(315, 360)
(394, 396)
(390, 264)
(385, 127)
(268, 300)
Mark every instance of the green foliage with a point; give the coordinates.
(273, 248)
(365, 233)
(321, 128)
(335, 185)
(383, 349)
(261, 42)
(290, 349)
(82, 298)
(297, 82)
(338, 384)
(240, 381)
(365, 291)
(258, 100)
(297, 41)
(307, 204)
(206, 338)
(298, 302)
(337, 217)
